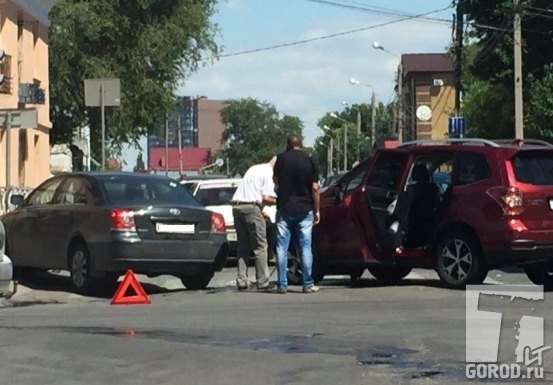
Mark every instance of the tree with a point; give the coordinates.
(150, 45)
(254, 132)
(488, 102)
(358, 144)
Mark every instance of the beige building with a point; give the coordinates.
(24, 24)
(428, 95)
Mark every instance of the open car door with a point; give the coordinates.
(374, 199)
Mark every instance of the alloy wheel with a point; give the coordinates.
(457, 260)
(79, 268)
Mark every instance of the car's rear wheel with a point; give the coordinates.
(541, 274)
(459, 260)
(196, 282)
(389, 274)
(293, 272)
(79, 270)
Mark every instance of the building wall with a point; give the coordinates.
(25, 42)
(440, 98)
(210, 126)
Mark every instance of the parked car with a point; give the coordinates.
(99, 224)
(459, 206)
(6, 269)
(216, 195)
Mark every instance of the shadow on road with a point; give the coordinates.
(51, 281)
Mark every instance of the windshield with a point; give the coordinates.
(211, 196)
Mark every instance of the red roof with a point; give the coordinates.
(427, 62)
(193, 158)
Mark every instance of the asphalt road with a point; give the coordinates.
(410, 333)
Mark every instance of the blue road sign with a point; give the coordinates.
(457, 126)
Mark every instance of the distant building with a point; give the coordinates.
(24, 83)
(428, 95)
(199, 123)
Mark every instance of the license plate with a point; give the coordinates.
(231, 237)
(179, 228)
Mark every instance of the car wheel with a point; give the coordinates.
(459, 260)
(196, 282)
(389, 274)
(540, 274)
(293, 272)
(79, 269)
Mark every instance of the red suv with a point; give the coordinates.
(459, 206)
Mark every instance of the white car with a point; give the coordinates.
(216, 194)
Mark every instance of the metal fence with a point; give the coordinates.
(6, 193)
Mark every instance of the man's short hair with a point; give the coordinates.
(293, 141)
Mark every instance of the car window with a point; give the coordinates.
(387, 170)
(439, 165)
(122, 189)
(44, 194)
(215, 195)
(355, 177)
(533, 167)
(190, 186)
(471, 167)
(76, 190)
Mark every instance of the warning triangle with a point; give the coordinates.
(120, 297)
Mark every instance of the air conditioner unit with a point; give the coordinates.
(438, 82)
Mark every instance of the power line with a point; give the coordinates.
(304, 41)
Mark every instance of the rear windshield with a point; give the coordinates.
(210, 195)
(145, 190)
(534, 167)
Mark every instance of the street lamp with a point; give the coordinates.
(330, 150)
(334, 115)
(354, 82)
(377, 45)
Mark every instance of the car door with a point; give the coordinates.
(372, 199)
(58, 222)
(27, 242)
(337, 236)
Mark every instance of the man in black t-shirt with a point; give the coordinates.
(296, 179)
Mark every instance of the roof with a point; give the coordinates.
(193, 158)
(39, 9)
(427, 62)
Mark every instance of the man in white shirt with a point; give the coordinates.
(254, 192)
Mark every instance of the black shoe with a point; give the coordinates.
(269, 287)
(243, 287)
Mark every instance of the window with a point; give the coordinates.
(76, 190)
(355, 177)
(387, 170)
(534, 167)
(471, 167)
(44, 194)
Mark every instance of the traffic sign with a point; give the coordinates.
(457, 126)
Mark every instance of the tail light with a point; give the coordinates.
(509, 198)
(217, 223)
(122, 220)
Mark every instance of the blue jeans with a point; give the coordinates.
(301, 225)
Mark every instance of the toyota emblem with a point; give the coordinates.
(174, 211)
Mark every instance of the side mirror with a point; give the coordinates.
(16, 200)
(339, 192)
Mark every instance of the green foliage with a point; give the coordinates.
(254, 133)
(150, 45)
(488, 86)
(358, 144)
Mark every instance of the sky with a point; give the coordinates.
(299, 55)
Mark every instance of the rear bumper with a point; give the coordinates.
(167, 257)
(520, 252)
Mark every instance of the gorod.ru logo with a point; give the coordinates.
(488, 355)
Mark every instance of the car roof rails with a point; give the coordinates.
(522, 142)
(423, 142)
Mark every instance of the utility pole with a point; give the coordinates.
(519, 114)
(458, 55)
(345, 147)
(400, 102)
(358, 133)
(373, 120)
(166, 144)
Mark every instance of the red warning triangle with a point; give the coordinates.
(120, 297)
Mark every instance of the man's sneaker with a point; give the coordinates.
(282, 290)
(311, 289)
(269, 287)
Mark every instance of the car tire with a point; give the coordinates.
(540, 274)
(293, 272)
(79, 270)
(459, 260)
(196, 282)
(389, 274)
